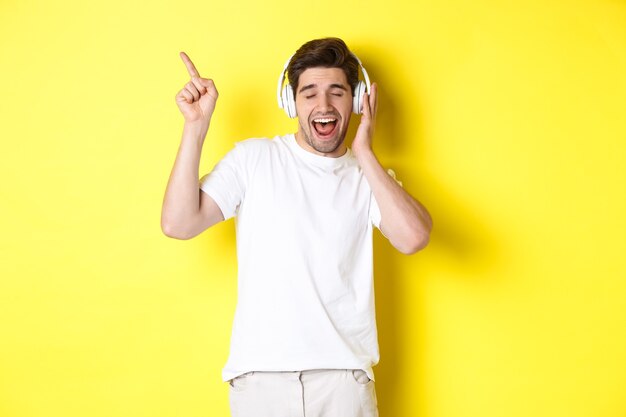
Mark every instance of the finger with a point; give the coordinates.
(373, 100)
(365, 110)
(209, 84)
(191, 68)
(193, 90)
(197, 82)
(184, 95)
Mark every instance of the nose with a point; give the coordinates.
(323, 103)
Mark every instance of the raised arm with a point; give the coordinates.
(187, 211)
(404, 220)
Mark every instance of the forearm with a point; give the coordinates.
(404, 220)
(181, 204)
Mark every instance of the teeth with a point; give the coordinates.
(324, 120)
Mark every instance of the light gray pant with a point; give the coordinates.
(313, 393)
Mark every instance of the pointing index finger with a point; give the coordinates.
(193, 72)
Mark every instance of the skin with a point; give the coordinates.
(323, 92)
(187, 211)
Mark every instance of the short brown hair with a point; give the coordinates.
(326, 53)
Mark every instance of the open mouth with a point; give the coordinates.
(325, 126)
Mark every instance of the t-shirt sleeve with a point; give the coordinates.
(226, 183)
(374, 211)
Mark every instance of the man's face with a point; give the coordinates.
(324, 106)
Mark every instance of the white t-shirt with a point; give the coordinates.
(304, 227)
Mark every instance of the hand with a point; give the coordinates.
(197, 99)
(363, 140)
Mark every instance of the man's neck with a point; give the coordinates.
(302, 142)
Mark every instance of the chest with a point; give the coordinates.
(307, 203)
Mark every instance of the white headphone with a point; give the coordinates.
(287, 100)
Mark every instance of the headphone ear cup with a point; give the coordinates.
(357, 100)
(289, 102)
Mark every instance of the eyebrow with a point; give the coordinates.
(310, 86)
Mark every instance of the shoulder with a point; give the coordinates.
(255, 147)
(259, 144)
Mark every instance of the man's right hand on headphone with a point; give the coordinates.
(197, 99)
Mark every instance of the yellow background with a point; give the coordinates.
(506, 119)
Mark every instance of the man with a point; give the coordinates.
(304, 334)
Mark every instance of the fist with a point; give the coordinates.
(197, 99)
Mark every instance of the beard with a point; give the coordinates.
(322, 146)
